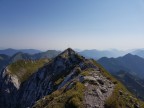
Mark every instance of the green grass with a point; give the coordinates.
(72, 94)
(57, 82)
(23, 69)
(59, 78)
(86, 72)
(72, 98)
(122, 101)
(116, 100)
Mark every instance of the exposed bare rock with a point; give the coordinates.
(68, 80)
(96, 93)
(9, 85)
(41, 83)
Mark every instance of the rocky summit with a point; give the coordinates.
(67, 81)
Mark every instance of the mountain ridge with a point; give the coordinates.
(132, 68)
(128, 62)
(68, 80)
(11, 51)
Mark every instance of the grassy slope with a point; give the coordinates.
(24, 68)
(62, 98)
(117, 100)
(73, 97)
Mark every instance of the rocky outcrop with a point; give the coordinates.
(9, 86)
(98, 89)
(42, 82)
(67, 72)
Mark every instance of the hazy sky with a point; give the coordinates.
(83, 24)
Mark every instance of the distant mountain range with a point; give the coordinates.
(97, 54)
(139, 52)
(20, 56)
(66, 81)
(47, 54)
(130, 63)
(11, 52)
(5, 59)
(129, 69)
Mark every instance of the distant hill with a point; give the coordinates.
(129, 69)
(47, 54)
(5, 59)
(139, 52)
(130, 63)
(20, 56)
(97, 54)
(26, 56)
(11, 52)
(66, 81)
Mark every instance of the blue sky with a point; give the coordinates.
(83, 24)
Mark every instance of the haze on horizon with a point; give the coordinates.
(82, 24)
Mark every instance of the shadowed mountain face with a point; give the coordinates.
(133, 83)
(67, 81)
(129, 70)
(130, 63)
(4, 59)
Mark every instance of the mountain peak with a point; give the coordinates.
(129, 55)
(68, 52)
(68, 80)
